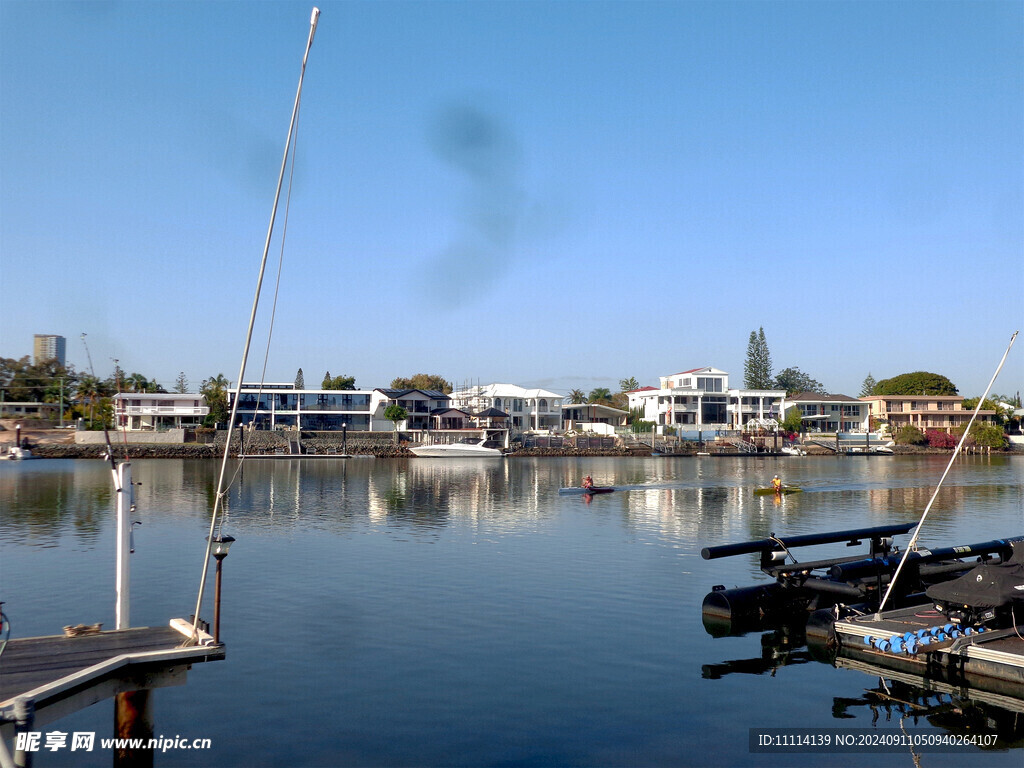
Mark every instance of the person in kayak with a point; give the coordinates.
(777, 484)
(587, 482)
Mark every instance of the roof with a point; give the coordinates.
(817, 397)
(505, 390)
(155, 396)
(646, 389)
(704, 369)
(442, 411)
(491, 413)
(394, 394)
(595, 408)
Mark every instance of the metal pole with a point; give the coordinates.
(124, 523)
(912, 544)
(216, 600)
(221, 490)
(24, 719)
(62, 402)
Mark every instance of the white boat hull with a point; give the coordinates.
(456, 450)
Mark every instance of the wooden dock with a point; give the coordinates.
(991, 661)
(60, 674)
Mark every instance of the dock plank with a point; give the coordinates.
(31, 663)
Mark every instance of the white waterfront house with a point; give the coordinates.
(528, 409)
(594, 417)
(143, 412)
(831, 413)
(701, 398)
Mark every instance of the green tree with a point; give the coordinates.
(23, 381)
(794, 381)
(300, 381)
(215, 390)
(339, 382)
(325, 384)
(628, 385)
(868, 387)
(396, 413)
(599, 395)
(577, 396)
(181, 384)
(985, 435)
(971, 403)
(917, 383)
(757, 369)
(426, 381)
(117, 378)
(792, 422)
(136, 382)
(908, 434)
(91, 390)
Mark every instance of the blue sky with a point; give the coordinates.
(557, 194)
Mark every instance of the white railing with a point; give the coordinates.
(163, 410)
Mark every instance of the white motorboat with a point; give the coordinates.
(19, 454)
(463, 449)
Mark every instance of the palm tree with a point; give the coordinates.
(136, 382)
(215, 390)
(577, 396)
(91, 389)
(600, 395)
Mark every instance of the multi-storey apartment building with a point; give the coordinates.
(701, 398)
(49, 347)
(944, 412)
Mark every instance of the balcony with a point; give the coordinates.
(162, 410)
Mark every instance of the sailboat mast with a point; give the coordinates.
(917, 531)
(218, 499)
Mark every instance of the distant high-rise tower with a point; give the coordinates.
(48, 347)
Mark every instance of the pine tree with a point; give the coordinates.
(326, 384)
(181, 384)
(300, 382)
(766, 358)
(757, 370)
(868, 387)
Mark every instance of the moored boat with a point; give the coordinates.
(468, 448)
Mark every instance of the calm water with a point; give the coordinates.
(440, 612)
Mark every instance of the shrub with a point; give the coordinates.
(909, 435)
(938, 439)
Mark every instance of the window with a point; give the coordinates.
(497, 402)
(543, 405)
(709, 384)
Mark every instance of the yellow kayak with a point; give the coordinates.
(783, 489)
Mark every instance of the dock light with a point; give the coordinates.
(221, 545)
(219, 549)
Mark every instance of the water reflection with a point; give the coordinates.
(681, 501)
(43, 501)
(902, 699)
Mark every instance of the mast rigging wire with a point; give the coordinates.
(221, 490)
(912, 544)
